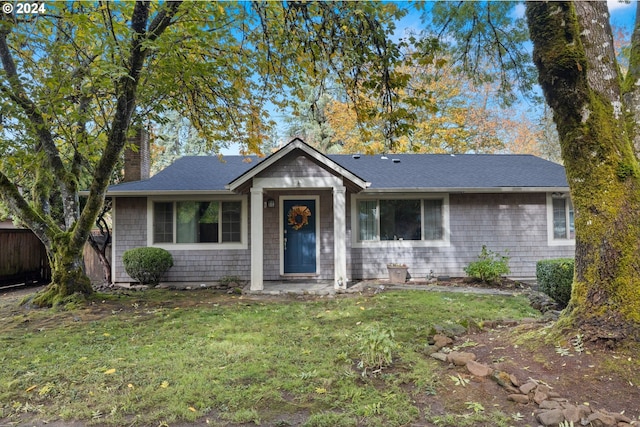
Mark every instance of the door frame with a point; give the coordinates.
(281, 200)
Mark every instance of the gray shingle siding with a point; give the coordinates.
(294, 165)
(515, 224)
(130, 231)
(188, 265)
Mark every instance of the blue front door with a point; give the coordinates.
(299, 236)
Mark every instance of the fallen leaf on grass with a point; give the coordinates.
(33, 387)
(192, 409)
(165, 384)
(110, 371)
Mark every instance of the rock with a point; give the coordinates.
(440, 341)
(539, 396)
(519, 398)
(460, 358)
(439, 356)
(598, 419)
(552, 417)
(503, 379)
(571, 413)
(549, 404)
(478, 369)
(584, 411)
(514, 380)
(528, 387)
(618, 417)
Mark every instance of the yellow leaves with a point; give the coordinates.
(192, 409)
(321, 390)
(110, 371)
(33, 387)
(164, 384)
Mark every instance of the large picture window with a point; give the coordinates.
(185, 222)
(400, 219)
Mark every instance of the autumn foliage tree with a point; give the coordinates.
(596, 109)
(76, 76)
(457, 115)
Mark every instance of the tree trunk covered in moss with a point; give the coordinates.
(64, 242)
(573, 51)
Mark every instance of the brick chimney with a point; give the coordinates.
(137, 164)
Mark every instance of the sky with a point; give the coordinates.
(622, 15)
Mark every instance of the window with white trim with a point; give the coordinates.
(563, 227)
(400, 219)
(193, 221)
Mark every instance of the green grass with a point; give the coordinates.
(230, 362)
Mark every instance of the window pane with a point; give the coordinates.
(163, 222)
(231, 221)
(433, 219)
(367, 219)
(400, 220)
(559, 219)
(572, 230)
(197, 222)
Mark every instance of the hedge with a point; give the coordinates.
(147, 265)
(555, 278)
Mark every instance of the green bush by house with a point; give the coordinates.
(555, 277)
(490, 267)
(147, 265)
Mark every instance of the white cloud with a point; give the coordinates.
(615, 5)
(518, 11)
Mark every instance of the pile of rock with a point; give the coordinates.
(551, 410)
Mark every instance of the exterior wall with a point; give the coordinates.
(516, 223)
(188, 265)
(129, 231)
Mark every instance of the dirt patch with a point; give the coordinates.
(598, 377)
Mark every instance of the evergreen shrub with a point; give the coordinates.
(555, 278)
(147, 265)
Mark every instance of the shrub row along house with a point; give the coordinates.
(300, 214)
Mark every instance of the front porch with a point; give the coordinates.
(285, 245)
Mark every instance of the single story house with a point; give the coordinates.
(300, 214)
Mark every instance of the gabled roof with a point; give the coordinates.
(315, 155)
(394, 172)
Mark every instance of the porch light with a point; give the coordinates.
(271, 203)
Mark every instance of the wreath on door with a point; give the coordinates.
(298, 216)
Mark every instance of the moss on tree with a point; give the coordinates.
(601, 168)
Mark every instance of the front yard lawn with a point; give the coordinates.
(164, 357)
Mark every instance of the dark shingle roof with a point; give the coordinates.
(428, 171)
(455, 171)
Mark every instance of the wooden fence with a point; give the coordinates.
(23, 258)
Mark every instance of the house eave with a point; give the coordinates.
(461, 190)
(152, 193)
